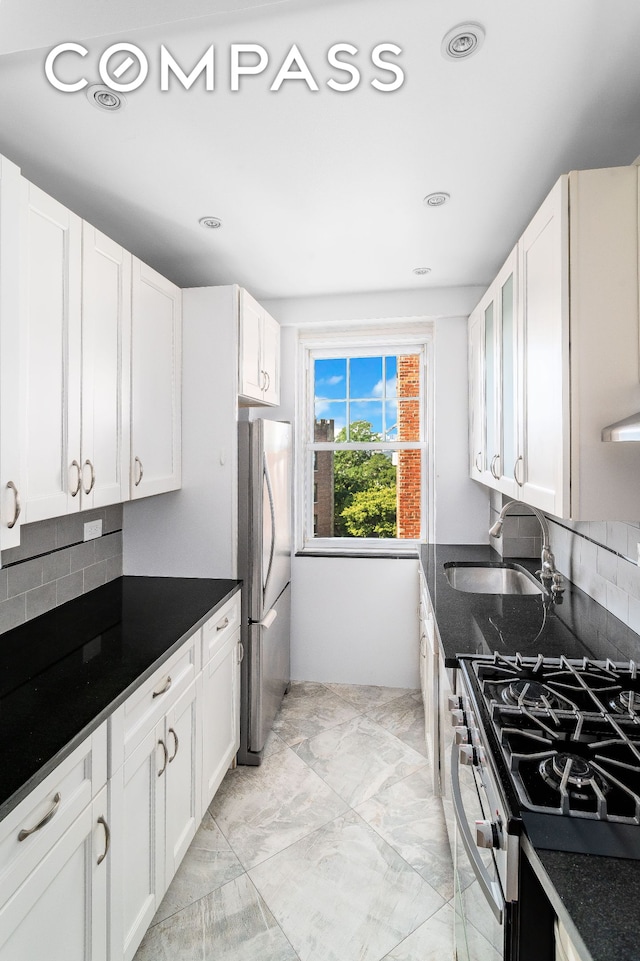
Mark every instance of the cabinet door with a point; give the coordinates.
(220, 729)
(251, 374)
(156, 372)
(50, 238)
(543, 473)
(106, 346)
(182, 781)
(12, 386)
(137, 804)
(271, 359)
(477, 452)
(63, 902)
(508, 390)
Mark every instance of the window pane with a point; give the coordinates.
(367, 494)
(330, 421)
(365, 420)
(390, 376)
(391, 420)
(365, 377)
(408, 376)
(330, 379)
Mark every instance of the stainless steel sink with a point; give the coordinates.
(477, 578)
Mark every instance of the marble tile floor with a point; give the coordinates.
(334, 849)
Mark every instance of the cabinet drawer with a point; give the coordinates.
(48, 811)
(220, 627)
(142, 711)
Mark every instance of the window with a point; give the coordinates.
(364, 437)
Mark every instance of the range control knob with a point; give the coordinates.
(457, 718)
(454, 702)
(467, 754)
(487, 834)
(461, 735)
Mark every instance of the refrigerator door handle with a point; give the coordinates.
(272, 510)
(268, 619)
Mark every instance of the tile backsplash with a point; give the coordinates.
(53, 564)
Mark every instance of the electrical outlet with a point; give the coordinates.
(92, 529)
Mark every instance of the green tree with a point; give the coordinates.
(372, 513)
(359, 472)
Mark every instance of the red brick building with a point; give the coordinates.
(409, 469)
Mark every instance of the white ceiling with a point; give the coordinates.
(322, 192)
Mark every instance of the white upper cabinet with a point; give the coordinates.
(75, 311)
(12, 386)
(258, 353)
(156, 383)
(50, 322)
(568, 359)
(493, 383)
(106, 351)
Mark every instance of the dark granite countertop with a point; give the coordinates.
(484, 623)
(596, 897)
(64, 672)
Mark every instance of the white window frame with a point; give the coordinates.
(390, 338)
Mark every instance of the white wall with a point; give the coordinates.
(354, 621)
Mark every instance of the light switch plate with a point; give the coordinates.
(92, 529)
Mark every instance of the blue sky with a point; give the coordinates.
(368, 392)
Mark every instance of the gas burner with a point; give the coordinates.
(582, 782)
(530, 693)
(627, 702)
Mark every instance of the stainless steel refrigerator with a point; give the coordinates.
(264, 564)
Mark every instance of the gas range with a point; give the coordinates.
(563, 736)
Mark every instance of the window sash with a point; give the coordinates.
(396, 339)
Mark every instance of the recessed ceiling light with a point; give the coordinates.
(437, 199)
(211, 223)
(420, 271)
(104, 98)
(462, 41)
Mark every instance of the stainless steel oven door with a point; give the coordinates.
(479, 901)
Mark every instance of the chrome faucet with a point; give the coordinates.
(548, 571)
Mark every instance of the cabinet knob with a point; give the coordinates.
(107, 839)
(17, 509)
(487, 835)
(87, 463)
(479, 458)
(55, 804)
(74, 463)
(495, 474)
(515, 471)
(138, 462)
(166, 758)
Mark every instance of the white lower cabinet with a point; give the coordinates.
(54, 861)
(155, 799)
(221, 714)
(429, 679)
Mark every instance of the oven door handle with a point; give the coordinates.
(490, 888)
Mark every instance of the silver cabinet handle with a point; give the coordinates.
(166, 758)
(93, 476)
(165, 688)
(17, 509)
(223, 624)
(177, 744)
(140, 471)
(240, 652)
(515, 471)
(492, 467)
(107, 839)
(268, 380)
(26, 832)
(74, 463)
(479, 458)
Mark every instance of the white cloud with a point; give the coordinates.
(331, 381)
(391, 387)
